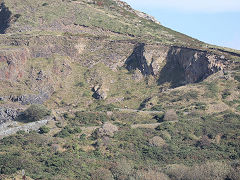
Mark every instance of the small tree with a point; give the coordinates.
(35, 113)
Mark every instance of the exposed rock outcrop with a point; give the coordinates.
(31, 98)
(176, 65)
(137, 60)
(5, 130)
(8, 114)
(196, 65)
(100, 92)
(107, 129)
(12, 63)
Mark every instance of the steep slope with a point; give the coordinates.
(98, 61)
(106, 17)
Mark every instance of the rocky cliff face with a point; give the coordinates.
(174, 64)
(191, 65)
(167, 63)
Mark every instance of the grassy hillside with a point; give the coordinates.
(129, 98)
(105, 15)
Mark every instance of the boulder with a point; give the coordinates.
(100, 92)
(108, 129)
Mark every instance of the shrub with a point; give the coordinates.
(231, 117)
(237, 77)
(159, 117)
(66, 115)
(207, 171)
(108, 107)
(213, 90)
(77, 130)
(102, 174)
(88, 118)
(44, 130)
(170, 115)
(80, 84)
(157, 108)
(204, 142)
(165, 126)
(17, 16)
(150, 174)
(122, 169)
(45, 4)
(67, 132)
(83, 137)
(200, 105)
(191, 95)
(34, 113)
(225, 94)
(157, 141)
(21, 132)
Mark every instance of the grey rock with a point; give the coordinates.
(100, 92)
(137, 75)
(31, 98)
(7, 114)
(108, 129)
(9, 130)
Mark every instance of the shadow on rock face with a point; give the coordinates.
(186, 66)
(5, 15)
(172, 72)
(137, 60)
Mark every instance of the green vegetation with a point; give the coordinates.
(34, 113)
(86, 118)
(163, 128)
(44, 130)
(188, 142)
(67, 132)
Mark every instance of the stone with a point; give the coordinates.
(34, 126)
(137, 75)
(108, 129)
(8, 114)
(31, 98)
(100, 92)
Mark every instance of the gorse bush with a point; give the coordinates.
(86, 118)
(206, 171)
(44, 130)
(159, 117)
(34, 113)
(67, 131)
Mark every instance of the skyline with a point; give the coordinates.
(214, 22)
